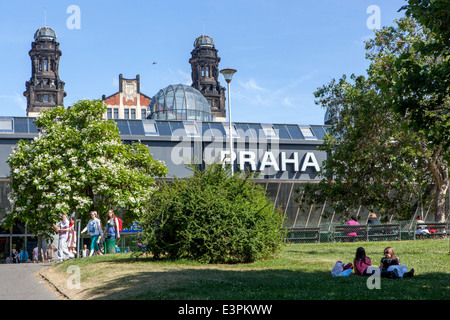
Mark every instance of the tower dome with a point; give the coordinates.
(45, 33)
(204, 41)
(179, 102)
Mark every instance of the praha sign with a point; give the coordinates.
(269, 160)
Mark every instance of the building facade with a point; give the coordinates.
(44, 90)
(128, 102)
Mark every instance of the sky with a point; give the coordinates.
(283, 50)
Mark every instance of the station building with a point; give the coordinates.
(180, 124)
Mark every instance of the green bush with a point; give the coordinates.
(212, 217)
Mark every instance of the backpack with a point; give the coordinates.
(120, 223)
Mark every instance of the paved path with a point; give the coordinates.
(18, 282)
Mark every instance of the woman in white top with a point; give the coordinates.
(94, 229)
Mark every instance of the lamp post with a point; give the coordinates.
(228, 75)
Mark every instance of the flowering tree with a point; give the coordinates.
(78, 163)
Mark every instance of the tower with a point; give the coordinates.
(205, 73)
(44, 90)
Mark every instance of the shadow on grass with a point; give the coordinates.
(273, 284)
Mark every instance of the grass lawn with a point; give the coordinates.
(299, 272)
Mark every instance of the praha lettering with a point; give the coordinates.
(268, 160)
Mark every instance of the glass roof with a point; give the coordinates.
(179, 102)
(148, 127)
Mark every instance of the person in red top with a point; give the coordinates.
(361, 262)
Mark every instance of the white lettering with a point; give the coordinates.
(225, 156)
(247, 157)
(269, 160)
(285, 161)
(310, 161)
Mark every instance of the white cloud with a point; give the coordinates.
(250, 85)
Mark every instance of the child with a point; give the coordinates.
(390, 266)
(361, 262)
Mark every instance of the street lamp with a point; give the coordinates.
(228, 75)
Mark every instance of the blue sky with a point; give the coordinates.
(283, 50)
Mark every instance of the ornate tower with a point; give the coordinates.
(205, 73)
(44, 90)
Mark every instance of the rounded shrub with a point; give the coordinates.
(212, 217)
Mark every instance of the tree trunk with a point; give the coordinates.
(439, 170)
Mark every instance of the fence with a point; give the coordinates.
(398, 231)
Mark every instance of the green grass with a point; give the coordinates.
(300, 272)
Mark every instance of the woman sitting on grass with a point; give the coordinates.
(361, 262)
(391, 268)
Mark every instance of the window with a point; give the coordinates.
(133, 114)
(45, 65)
(143, 113)
(190, 128)
(126, 114)
(40, 65)
(6, 125)
(109, 113)
(116, 113)
(150, 127)
(203, 72)
(307, 133)
(45, 97)
(269, 131)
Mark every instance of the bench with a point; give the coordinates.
(435, 230)
(302, 235)
(344, 233)
(382, 232)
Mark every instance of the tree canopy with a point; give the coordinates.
(78, 163)
(389, 140)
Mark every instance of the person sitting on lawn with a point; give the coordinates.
(361, 262)
(391, 268)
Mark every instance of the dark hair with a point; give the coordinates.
(360, 254)
(354, 218)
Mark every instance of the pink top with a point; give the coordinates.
(360, 266)
(352, 223)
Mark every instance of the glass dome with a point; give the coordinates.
(204, 40)
(179, 102)
(45, 33)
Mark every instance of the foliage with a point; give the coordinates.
(78, 163)
(412, 64)
(377, 155)
(372, 161)
(213, 217)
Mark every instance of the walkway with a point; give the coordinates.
(19, 282)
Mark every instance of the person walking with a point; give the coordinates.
(94, 229)
(72, 239)
(23, 255)
(62, 240)
(50, 253)
(112, 232)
